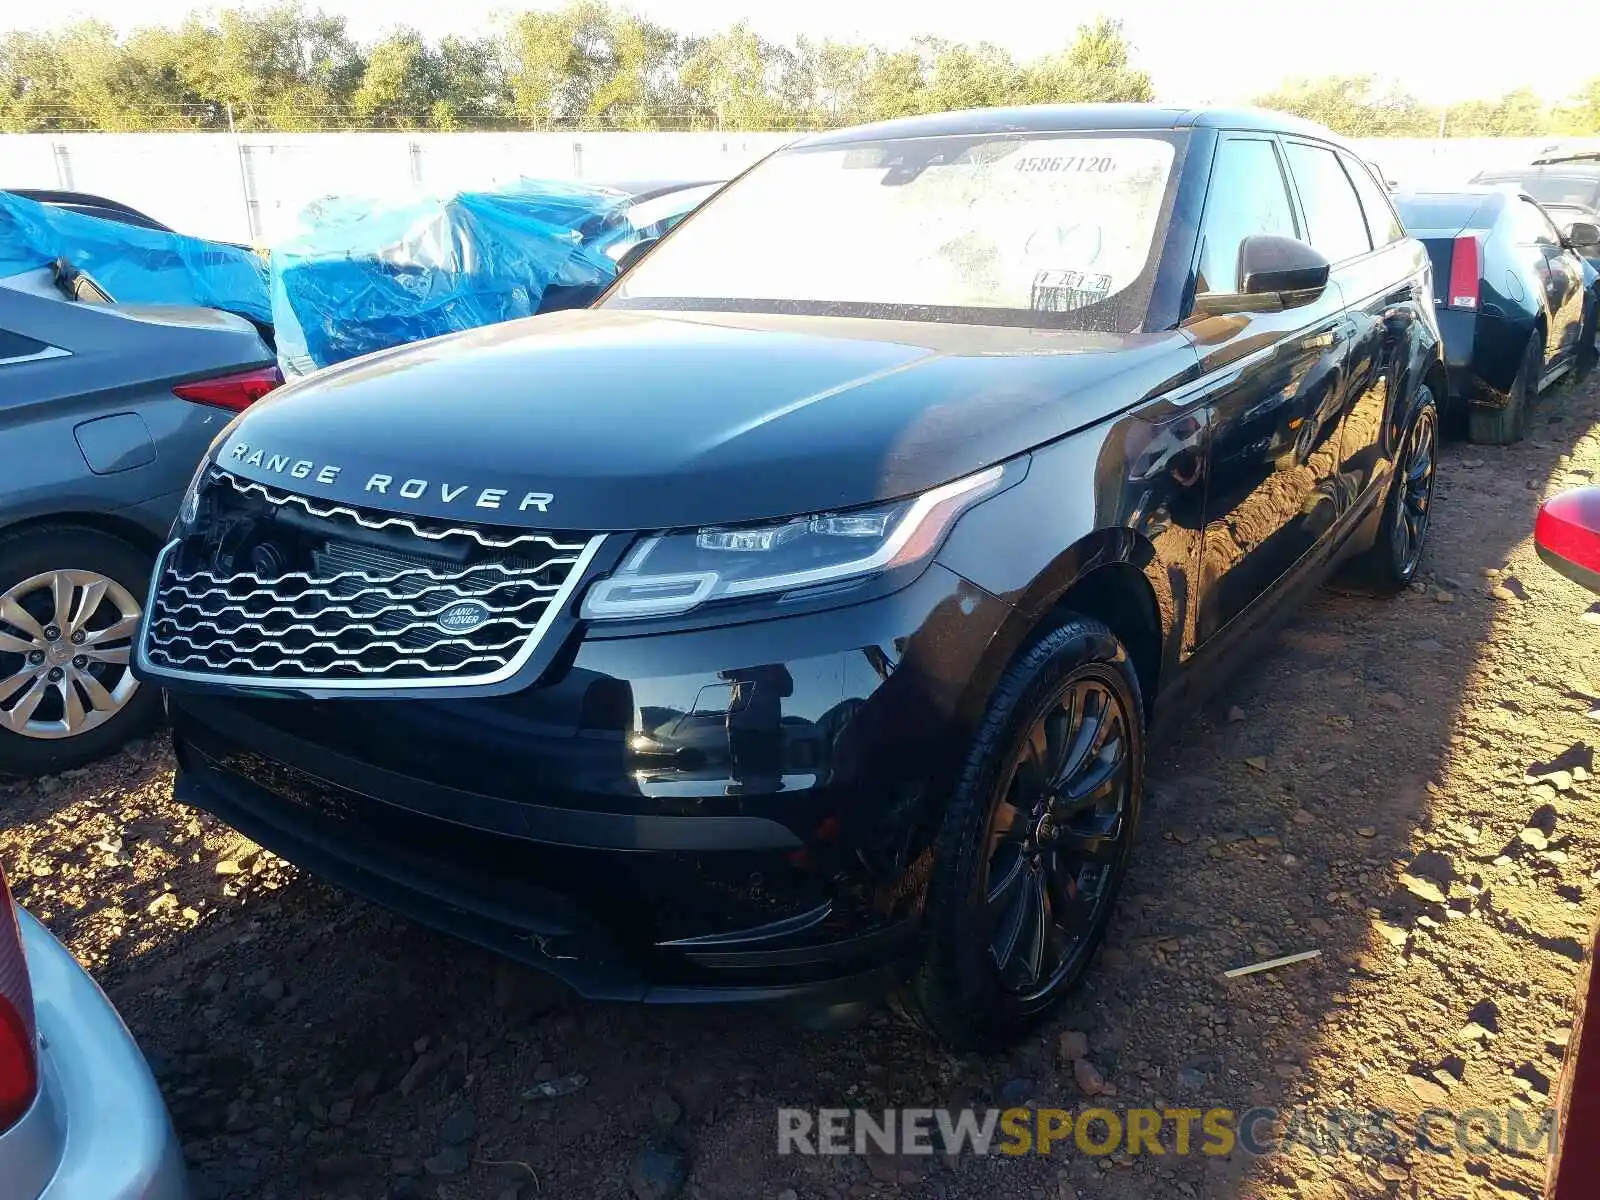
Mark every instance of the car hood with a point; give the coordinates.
(609, 419)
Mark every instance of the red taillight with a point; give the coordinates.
(1566, 534)
(234, 392)
(1466, 265)
(19, 1064)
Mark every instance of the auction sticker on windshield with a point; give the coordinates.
(1038, 223)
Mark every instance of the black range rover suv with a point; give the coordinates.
(793, 621)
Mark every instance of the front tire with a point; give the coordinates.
(69, 610)
(1505, 426)
(1036, 839)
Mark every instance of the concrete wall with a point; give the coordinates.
(250, 188)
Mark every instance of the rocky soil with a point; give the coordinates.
(1405, 785)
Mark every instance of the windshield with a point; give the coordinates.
(1051, 230)
(1437, 212)
(1553, 189)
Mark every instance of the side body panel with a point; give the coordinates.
(1509, 304)
(1276, 409)
(1387, 301)
(95, 428)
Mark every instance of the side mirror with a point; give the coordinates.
(1566, 534)
(1275, 273)
(1583, 235)
(1283, 266)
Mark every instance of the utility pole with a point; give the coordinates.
(245, 190)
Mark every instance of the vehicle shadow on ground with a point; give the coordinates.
(313, 1045)
(1302, 813)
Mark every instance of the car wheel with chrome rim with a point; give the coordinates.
(69, 611)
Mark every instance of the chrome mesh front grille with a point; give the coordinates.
(274, 587)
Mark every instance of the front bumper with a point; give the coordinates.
(99, 1129)
(732, 813)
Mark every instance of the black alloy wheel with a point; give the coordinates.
(1413, 498)
(1396, 552)
(1035, 840)
(1055, 834)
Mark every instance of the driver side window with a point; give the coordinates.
(1247, 197)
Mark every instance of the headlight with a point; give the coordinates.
(671, 573)
(189, 506)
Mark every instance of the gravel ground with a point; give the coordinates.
(1402, 784)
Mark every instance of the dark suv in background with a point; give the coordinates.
(793, 622)
(1565, 182)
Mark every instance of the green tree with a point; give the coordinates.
(473, 90)
(74, 78)
(895, 86)
(1581, 115)
(1097, 67)
(278, 68)
(587, 61)
(727, 78)
(1355, 106)
(960, 76)
(1520, 114)
(831, 77)
(595, 63)
(634, 64)
(400, 84)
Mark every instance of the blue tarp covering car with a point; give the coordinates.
(363, 275)
(136, 265)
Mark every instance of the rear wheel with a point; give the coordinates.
(1589, 341)
(1392, 561)
(69, 610)
(1036, 840)
(1504, 426)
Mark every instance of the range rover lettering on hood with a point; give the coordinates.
(381, 484)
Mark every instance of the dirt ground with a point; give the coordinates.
(1405, 785)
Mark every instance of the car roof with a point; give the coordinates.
(1456, 193)
(90, 205)
(1068, 118)
(1559, 155)
(1564, 169)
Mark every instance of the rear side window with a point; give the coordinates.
(1335, 223)
(1382, 224)
(1561, 189)
(1531, 226)
(1247, 197)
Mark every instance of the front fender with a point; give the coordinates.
(1130, 493)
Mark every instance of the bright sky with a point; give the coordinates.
(1206, 50)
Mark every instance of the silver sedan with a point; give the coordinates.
(81, 1117)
